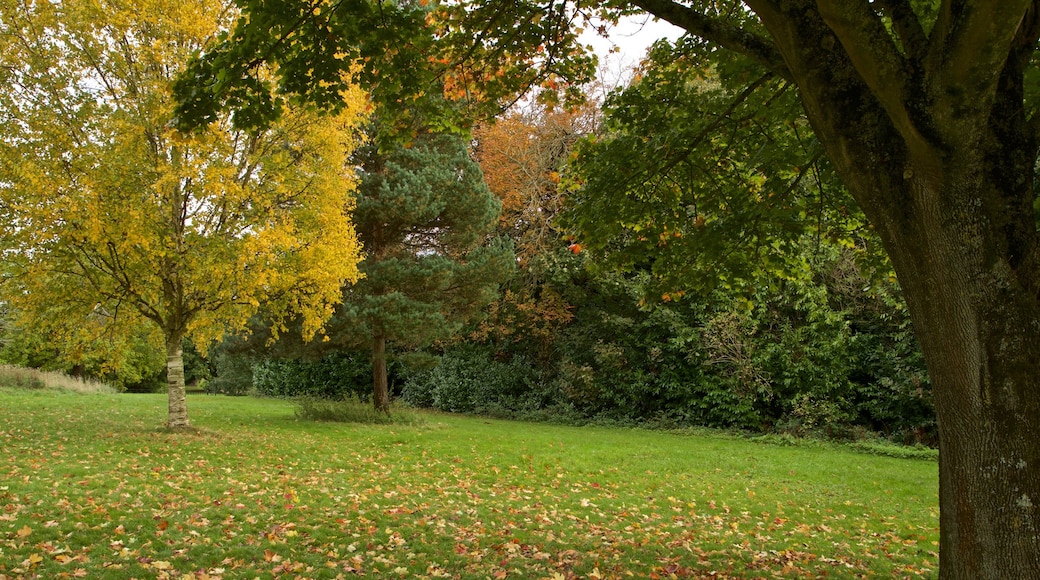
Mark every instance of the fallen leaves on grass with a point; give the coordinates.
(246, 504)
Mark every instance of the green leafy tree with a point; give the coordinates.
(114, 220)
(928, 113)
(424, 217)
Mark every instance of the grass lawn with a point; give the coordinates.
(91, 487)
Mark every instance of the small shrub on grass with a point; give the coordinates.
(352, 410)
(888, 449)
(23, 378)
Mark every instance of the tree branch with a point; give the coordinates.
(731, 37)
(970, 45)
(875, 57)
(907, 26)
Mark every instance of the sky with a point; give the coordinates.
(633, 36)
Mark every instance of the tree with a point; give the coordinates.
(522, 156)
(115, 219)
(927, 111)
(424, 217)
(923, 111)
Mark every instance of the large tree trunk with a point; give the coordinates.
(178, 404)
(978, 319)
(380, 389)
(979, 327)
(957, 224)
(935, 146)
(983, 354)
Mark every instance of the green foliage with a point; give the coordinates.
(469, 379)
(134, 362)
(311, 55)
(423, 215)
(335, 376)
(411, 56)
(706, 174)
(788, 358)
(231, 368)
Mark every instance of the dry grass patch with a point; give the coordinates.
(23, 378)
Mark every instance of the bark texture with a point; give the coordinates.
(380, 389)
(178, 404)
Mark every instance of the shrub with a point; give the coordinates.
(469, 379)
(352, 410)
(336, 376)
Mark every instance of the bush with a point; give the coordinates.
(336, 376)
(352, 410)
(469, 379)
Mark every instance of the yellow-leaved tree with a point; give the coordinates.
(111, 219)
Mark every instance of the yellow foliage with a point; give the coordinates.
(112, 211)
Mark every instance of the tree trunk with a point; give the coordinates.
(942, 163)
(380, 390)
(178, 404)
(965, 252)
(978, 322)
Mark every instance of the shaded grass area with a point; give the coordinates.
(91, 487)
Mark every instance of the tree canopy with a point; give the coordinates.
(116, 218)
(928, 113)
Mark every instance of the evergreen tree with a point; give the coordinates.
(423, 216)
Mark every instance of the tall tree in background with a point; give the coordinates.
(114, 217)
(928, 113)
(424, 217)
(522, 156)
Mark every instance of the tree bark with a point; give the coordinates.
(380, 389)
(979, 327)
(178, 404)
(934, 144)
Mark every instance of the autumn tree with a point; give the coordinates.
(114, 219)
(928, 113)
(522, 156)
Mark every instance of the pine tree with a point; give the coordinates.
(423, 216)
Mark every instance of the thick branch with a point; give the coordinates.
(908, 26)
(970, 45)
(731, 37)
(875, 57)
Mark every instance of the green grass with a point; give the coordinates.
(91, 487)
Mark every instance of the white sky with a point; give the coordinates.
(633, 36)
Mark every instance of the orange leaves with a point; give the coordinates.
(521, 156)
(672, 296)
